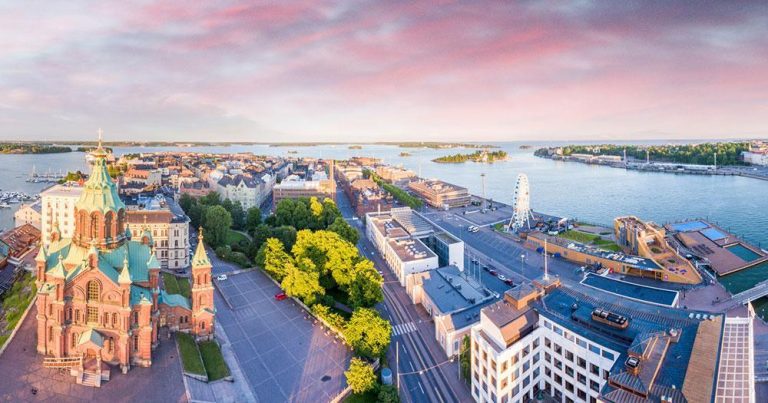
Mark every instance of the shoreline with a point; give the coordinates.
(759, 173)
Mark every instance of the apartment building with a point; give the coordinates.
(441, 195)
(576, 347)
(168, 225)
(58, 210)
(29, 213)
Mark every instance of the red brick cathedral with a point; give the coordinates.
(100, 300)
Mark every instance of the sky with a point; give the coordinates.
(360, 71)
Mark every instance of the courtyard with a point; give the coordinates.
(282, 353)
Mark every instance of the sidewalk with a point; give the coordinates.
(222, 391)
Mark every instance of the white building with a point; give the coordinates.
(755, 158)
(542, 338)
(248, 190)
(29, 213)
(167, 224)
(58, 208)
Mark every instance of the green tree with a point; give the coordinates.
(217, 223)
(238, 215)
(195, 214)
(252, 218)
(330, 212)
(186, 201)
(284, 212)
(387, 394)
(342, 227)
(360, 376)
(365, 289)
(286, 234)
(211, 199)
(300, 216)
(274, 259)
(368, 333)
(302, 281)
(260, 233)
(466, 359)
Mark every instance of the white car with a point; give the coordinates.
(502, 277)
(221, 277)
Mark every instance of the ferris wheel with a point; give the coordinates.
(521, 205)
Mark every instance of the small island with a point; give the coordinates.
(477, 156)
(355, 147)
(436, 145)
(728, 153)
(405, 154)
(32, 148)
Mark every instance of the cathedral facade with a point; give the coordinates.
(100, 300)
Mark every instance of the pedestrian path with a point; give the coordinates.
(403, 328)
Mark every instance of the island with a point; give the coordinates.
(32, 148)
(477, 156)
(355, 147)
(437, 145)
(405, 154)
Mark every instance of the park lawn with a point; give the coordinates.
(185, 288)
(213, 360)
(190, 355)
(579, 236)
(15, 302)
(235, 238)
(607, 245)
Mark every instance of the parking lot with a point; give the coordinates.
(284, 356)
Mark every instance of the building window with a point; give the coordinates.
(136, 342)
(93, 314)
(594, 369)
(74, 339)
(77, 316)
(93, 291)
(569, 356)
(135, 317)
(581, 378)
(594, 385)
(581, 362)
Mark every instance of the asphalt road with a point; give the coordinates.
(414, 337)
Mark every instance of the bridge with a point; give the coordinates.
(758, 291)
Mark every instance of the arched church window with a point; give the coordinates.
(93, 291)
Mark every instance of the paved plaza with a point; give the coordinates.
(284, 356)
(25, 379)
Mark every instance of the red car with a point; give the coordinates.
(280, 296)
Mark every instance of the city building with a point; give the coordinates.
(294, 187)
(250, 191)
(194, 189)
(365, 195)
(757, 154)
(441, 195)
(648, 240)
(100, 301)
(169, 226)
(29, 213)
(58, 207)
(410, 244)
(542, 338)
(453, 300)
(395, 175)
(618, 262)
(16, 243)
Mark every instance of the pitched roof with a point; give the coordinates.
(100, 191)
(174, 300)
(91, 336)
(201, 256)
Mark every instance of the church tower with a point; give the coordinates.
(99, 213)
(202, 292)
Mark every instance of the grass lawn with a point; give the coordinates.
(176, 285)
(591, 239)
(15, 302)
(236, 238)
(190, 355)
(579, 236)
(213, 360)
(367, 397)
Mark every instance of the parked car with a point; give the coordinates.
(280, 296)
(486, 268)
(502, 277)
(493, 273)
(509, 282)
(221, 277)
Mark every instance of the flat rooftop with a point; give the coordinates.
(62, 191)
(387, 226)
(638, 292)
(411, 250)
(637, 262)
(450, 290)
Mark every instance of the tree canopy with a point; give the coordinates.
(217, 223)
(360, 376)
(368, 333)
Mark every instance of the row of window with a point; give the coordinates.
(578, 341)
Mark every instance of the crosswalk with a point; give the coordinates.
(403, 328)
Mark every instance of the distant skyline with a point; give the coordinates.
(383, 71)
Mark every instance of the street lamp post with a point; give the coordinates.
(522, 264)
